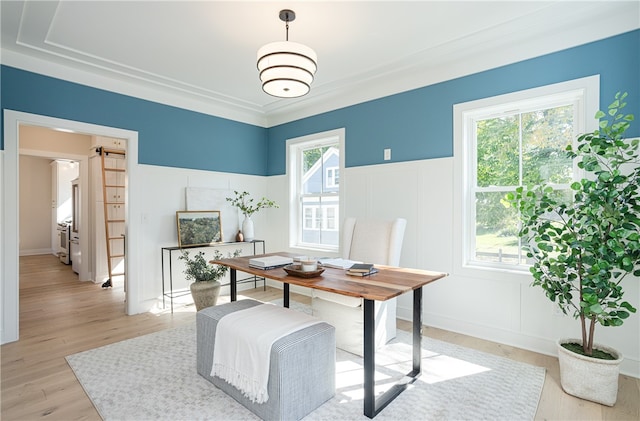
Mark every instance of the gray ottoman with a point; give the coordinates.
(301, 373)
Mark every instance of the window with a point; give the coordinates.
(314, 164)
(514, 148)
(333, 177)
(510, 141)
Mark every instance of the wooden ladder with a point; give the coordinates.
(113, 196)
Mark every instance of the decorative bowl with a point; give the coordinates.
(296, 270)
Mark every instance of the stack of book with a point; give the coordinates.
(270, 262)
(337, 263)
(362, 269)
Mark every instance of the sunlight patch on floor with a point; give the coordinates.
(441, 368)
(435, 367)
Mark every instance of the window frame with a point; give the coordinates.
(586, 93)
(294, 146)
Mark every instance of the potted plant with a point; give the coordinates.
(248, 207)
(583, 248)
(205, 287)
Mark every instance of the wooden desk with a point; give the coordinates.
(388, 283)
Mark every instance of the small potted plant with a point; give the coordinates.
(246, 204)
(205, 287)
(583, 248)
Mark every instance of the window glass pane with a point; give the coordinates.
(308, 217)
(498, 151)
(496, 229)
(329, 234)
(319, 195)
(545, 136)
(318, 219)
(313, 170)
(331, 218)
(316, 230)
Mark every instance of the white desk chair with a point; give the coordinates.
(369, 241)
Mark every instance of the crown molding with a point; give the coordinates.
(135, 87)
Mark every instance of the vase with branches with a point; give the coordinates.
(248, 206)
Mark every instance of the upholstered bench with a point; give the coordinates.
(301, 371)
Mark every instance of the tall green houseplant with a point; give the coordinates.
(582, 249)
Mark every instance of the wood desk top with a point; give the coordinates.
(389, 282)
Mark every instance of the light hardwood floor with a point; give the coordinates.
(60, 316)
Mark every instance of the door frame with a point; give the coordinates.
(9, 213)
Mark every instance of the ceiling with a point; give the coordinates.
(202, 55)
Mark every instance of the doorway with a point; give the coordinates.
(50, 162)
(9, 231)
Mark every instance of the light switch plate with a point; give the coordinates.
(387, 154)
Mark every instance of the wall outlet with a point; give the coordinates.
(387, 154)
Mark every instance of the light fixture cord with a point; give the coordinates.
(287, 26)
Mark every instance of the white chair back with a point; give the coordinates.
(373, 240)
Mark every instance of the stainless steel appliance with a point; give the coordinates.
(76, 257)
(64, 252)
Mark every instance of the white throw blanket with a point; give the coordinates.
(242, 348)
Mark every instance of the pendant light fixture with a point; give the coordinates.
(286, 68)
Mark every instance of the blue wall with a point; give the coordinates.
(419, 124)
(167, 136)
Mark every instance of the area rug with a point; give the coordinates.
(153, 377)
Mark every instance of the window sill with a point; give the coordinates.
(306, 249)
(492, 273)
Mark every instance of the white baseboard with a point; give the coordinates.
(36, 252)
(629, 366)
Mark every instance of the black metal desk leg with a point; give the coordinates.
(162, 263)
(369, 359)
(171, 282)
(373, 406)
(285, 297)
(417, 327)
(234, 284)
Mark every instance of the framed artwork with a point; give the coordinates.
(198, 228)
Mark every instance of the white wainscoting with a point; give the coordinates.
(164, 193)
(504, 309)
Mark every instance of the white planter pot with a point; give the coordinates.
(247, 229)
(589, 378)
